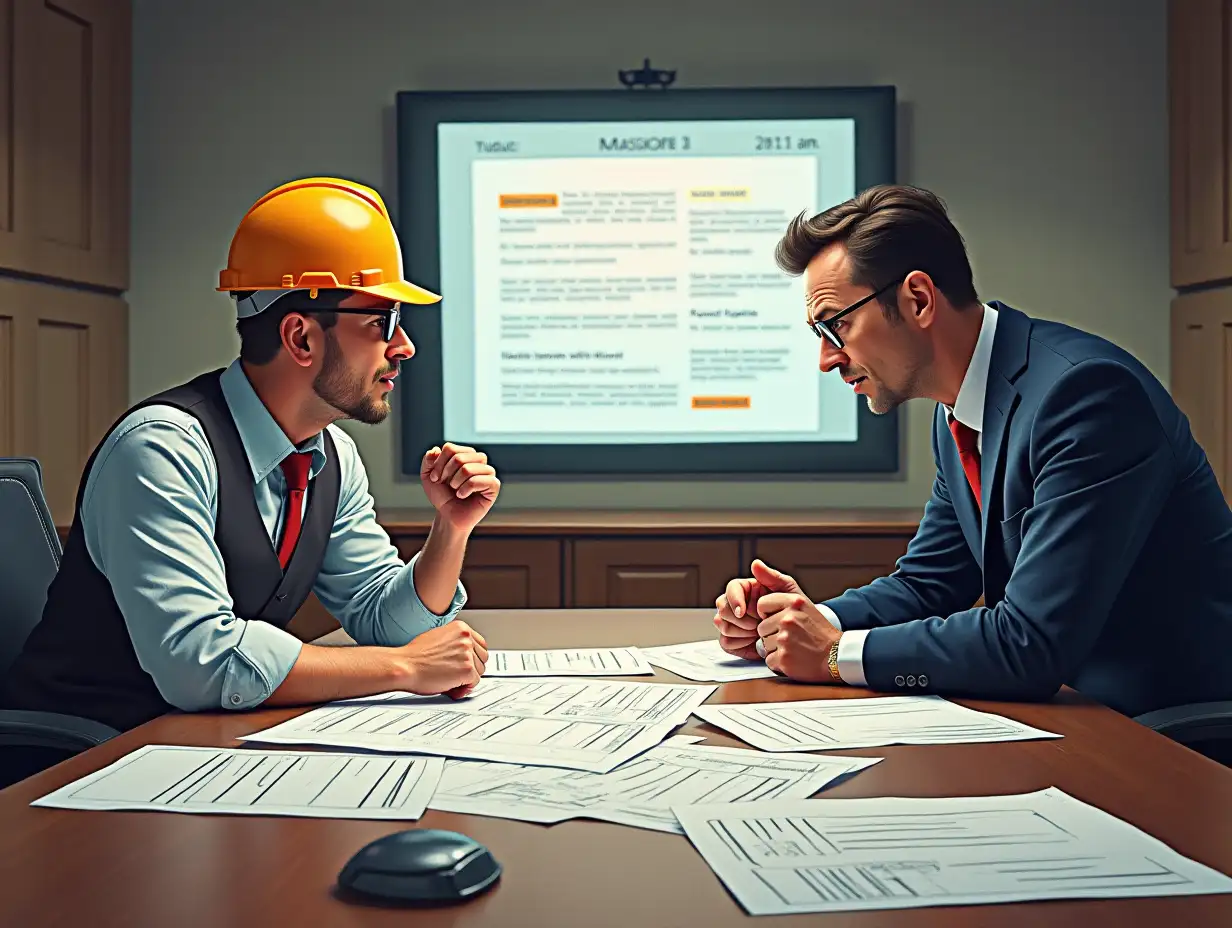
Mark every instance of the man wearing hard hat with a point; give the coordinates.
(209, 512)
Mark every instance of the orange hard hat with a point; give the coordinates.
(319, 233)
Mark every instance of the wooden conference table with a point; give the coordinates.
(64, 868)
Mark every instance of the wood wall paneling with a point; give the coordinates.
(8, 381)
(1200, 109)
(1200, 114)
(9, 242)
(64, 139)
(63, 379)
(1201, 366)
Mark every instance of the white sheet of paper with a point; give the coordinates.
(591, 725)
(705, 661)
(832, 724)
(171, 778)
(640, 792)
(832, 855)
(555, 662)
(462, 776)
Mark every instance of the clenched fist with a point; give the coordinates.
(449, 659)
(460, 484)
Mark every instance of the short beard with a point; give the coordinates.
(885, 400)
(346, 391)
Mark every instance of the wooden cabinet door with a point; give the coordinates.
(63, 379)
(1201, 367)
(512, 573)
(633, 573)
(825, 567)
(64, 139)
(1200, 107)
(504, 573)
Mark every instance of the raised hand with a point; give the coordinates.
(460, 484)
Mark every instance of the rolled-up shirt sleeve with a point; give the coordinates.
(148, 513)
(363, 581)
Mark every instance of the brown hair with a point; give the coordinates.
(888, 230)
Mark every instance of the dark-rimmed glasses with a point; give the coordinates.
(393, 317)
(823, 329)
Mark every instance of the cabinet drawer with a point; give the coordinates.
(512, 573)
(506, 572)
(648, 573)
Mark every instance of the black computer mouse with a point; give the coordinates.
(423, 865)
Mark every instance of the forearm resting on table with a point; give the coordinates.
(322, 674)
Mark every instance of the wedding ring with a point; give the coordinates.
(761, 648)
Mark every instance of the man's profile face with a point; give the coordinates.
(878, 359)
(356, 375)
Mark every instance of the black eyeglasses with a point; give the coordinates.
(824, 330)
(393, 317)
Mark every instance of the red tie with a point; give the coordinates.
(295, 466)
(965, 437)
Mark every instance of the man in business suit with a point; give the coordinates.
(1069, 492)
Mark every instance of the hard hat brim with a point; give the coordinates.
(401, 291)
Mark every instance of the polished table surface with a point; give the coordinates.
(62, 867)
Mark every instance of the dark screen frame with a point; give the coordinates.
(421, 400)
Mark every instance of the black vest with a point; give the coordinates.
(79, 658)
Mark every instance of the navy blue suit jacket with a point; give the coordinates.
(1103, 547)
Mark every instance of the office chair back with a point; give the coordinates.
(29, 554)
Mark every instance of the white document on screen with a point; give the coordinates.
(634, 296)
(705, 661)
(315, 784)
(641, 792)
(800, 856)
(591, 725)
(574, 662)
(824, 724)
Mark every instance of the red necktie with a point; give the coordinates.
(968, 452)
(295, 466)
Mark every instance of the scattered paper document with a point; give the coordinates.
(796, 856)
(706, 662)
(229, 780)
(831, 724)
(640, 792)
(592, 662)
(591, 725)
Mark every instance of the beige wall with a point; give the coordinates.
(1042, 122)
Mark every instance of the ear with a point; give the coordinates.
(920, 297)
(299, 338)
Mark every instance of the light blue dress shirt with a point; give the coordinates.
(149, 511)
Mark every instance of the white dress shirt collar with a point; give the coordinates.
(968, 407)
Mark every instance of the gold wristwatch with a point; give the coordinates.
(833, 661)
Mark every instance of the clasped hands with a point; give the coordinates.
(770, 608)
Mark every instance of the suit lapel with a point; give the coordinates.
(1009, 359)
(1000, 399)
